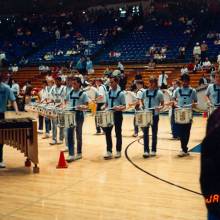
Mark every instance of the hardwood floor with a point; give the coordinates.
(93, 188)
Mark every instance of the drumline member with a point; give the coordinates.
(6, 94)
(116, 102)
(58, 94)
(213, 92)
(140, 89)
(69, 88)
(174, 127)
(152, 99)
(78, 99)
(42, 95)
(185, 96)
(101, 100)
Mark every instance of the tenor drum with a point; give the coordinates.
(143, 118)
(104, 118)
(183, 115)
(41, 109)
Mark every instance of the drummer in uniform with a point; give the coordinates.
(6, 94)
(140, 89)
(152, 99)
(213, 92)
(116, 102)
(58, 94)
(43, 94)
(174, 127)
(69, 88)
(79, 100)
(185, 96)
(100, 100)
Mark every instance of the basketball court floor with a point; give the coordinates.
(164, 187)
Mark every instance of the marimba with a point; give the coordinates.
(21, 133)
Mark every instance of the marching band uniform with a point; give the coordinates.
(44, 93)
(151, 98)
(102, 91)
(58, 95)
(138, 96)
(76, 98)
(185, 96)
(115, 98)
(213, 93)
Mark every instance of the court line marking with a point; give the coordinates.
(153, 175)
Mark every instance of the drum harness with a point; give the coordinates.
(58, 93)
(185, 95)
(113, 98)
(150, 98)
(74, 98)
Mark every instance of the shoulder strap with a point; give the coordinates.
(188, 95)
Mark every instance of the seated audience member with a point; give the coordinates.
(203, 80)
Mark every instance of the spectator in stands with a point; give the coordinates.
(120, 67)
(184, 70)
(162, 80)
(206, 65)
(151, 64)
(190, 66)
(57, 34)
(89, 66)
(197, 51)
(123, 81)
(198, 66)
(81, 66)
(152, 49)
(204, 50)
(15, 88)
(203, 80)
(182, 51)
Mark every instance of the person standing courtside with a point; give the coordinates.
(213, 92)
(79, 100)
(152, 99)
(140, 89)
(58, 94)
(6, 94)
(116, 102)
(185, 96)
(101, 99)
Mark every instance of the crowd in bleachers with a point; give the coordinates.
(161, 31)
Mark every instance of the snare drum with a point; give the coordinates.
(41, 109)
(183, 115)
(50, 112)
(60, 117)
(104, 118)
(143, 118)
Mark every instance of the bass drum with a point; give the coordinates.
(202, 105)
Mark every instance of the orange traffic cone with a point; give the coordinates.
(62, 162)
(205, 114)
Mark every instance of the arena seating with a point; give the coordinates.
(172, 70)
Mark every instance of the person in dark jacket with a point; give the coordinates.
(210, 166)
